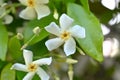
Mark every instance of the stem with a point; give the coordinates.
(27, 43)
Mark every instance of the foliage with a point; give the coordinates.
(12, 44)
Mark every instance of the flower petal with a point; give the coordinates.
(110, 4)
(42, 1)
(65, 22)
(19, 67)
(28, 13)
(29, 76)
(8, 19)
(42, 74)
(28, 55)
(53, 43)
(70, 47)
(78, 31)
(53, 29)
(42, 11)
(44, 61)
(24, 2)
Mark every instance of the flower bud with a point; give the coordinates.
(71, 61)
(19, 36)
(36, 30)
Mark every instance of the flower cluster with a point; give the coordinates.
(66, 34)
(32, 67)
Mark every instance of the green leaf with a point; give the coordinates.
(7, 74)
(92, 43)
(3, 41)
(39, 49)
(32, 24)
(85, 5)
(20, 75)
(2, 64)
(14, 48)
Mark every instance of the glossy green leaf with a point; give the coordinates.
(85, 5)
(7, 74)
(3, 41)
(2, 64)
(14, 48)
(92, 43)
(20, 75)
(39, 49)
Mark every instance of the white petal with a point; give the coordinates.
(53, 43)
(28, 13)
(42, 1)
(28, 55)
(78, 31)
(118, 18)
(70, 47)
(105, 29)
(29, 76)
(113, 21)
(53, 29)
(107, 47)
(117, 3)
(42, 11)
(19, 67)
(44, 61)
(42, 74)
(24, 2)
(65, 22)
(110, 4)
(8, 19)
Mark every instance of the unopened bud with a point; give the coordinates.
(71, 61)
(55, 15)
(36, 30)
(19, 36)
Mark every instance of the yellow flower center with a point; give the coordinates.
(32, 67)
(31, 3)
(65, 35)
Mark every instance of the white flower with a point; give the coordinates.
(105, 29)
(110, 4)
(7, 19)
(32, 67)
(65, 33)
(115, 19)
(111, 47)
(34, 8)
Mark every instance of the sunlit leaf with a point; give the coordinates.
(85, 5)
(92, 44)
(7, 74)
(14, 48)
(3, 41)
